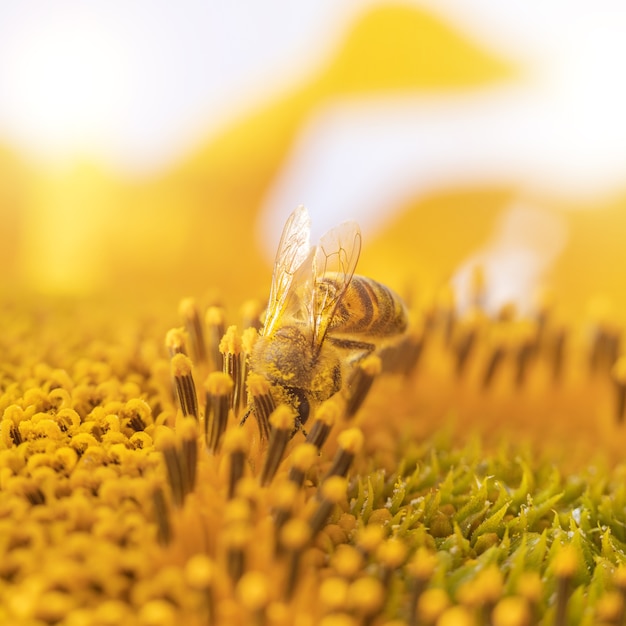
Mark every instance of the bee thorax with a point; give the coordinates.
(287, 359)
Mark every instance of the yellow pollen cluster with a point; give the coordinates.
(157, 482)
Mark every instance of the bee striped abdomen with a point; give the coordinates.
(369, 308)
(321, 319)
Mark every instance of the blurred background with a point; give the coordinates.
(150, 146)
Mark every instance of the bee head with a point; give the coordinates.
(288, 361)
(300, 402)
(284, 358)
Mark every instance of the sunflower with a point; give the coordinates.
(470, 474)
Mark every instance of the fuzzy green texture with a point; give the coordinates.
(477, 510)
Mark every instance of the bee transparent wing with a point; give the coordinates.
(334, 263)
(293, 250)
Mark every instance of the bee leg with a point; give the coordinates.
(302, 411)
(246, 415)
(363, 347)
(298, 427)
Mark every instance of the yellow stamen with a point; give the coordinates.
(347, 561)
(350, 443)
(219, 389)
(253, 591)
(188, 310)
(283, 498)
(175, 341)
(188, 433)
(421, 569)
(619, 378)
(157, 613)
(432, 605)
(215, 321)
(181, 369)
(403, 357)
(294, 537)
(525, 339)
(200, 573)
(511, 611)
(610, 608)
(361, 382)
(338, 619)
(466, 339)
(237, 446)
(334, 593)
(161, 515)
(248, 339)
(478, 287)
(302, 459)
(332, 491)
(565, 566)
(262, 402)
(325, 417)
(282, 422)
(391, 554)
(370, 537)
(165, 442)
(498, 352)
(559, 342)
(236, 538)
(366, 596)
(231, 349)
(456, 616)
(530, 587)
(136, 414)
(605, 347)
(482, 592)
(619, 579)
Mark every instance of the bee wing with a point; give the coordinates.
(334, 263)
(293, 250)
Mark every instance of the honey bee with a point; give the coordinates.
(321, 319)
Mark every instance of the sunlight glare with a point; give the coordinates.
(523, 247)
(69, 86)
